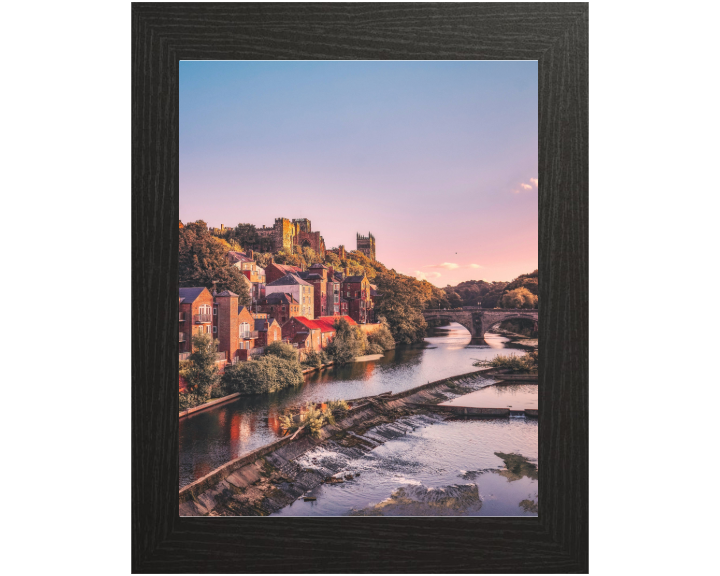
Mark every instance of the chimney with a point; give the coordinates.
(345, 271)
(250, 254)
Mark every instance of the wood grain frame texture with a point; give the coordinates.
(554, 34)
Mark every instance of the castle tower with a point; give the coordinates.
(366, 245)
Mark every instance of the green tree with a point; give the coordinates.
(454, 301)
(402, 303)
(289, 259)
(282, 350)
(246, 235)
(202, 374)
(519, 298)
(528, 281)
(310, 257)
(381, 340)
(266, 374)
(202, 260)
(262, 259)
(349, 342)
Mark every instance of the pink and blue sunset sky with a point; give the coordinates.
(437, 159)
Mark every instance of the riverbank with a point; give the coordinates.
(268, 479)
(210, 404)
(517, 339)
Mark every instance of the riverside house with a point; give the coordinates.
(302, 291)
(196, 315)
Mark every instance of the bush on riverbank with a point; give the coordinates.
(266, 374)
(519, 327)
(315, 359)
(281, 350)
(527, 364)
(349, 343)
(200, 372)
(381, 340)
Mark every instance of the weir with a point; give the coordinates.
(268, 479)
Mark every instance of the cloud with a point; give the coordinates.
(452, 266)
(446, 265)
(426, 275)
(524, 186)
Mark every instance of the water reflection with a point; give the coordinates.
(428, 467)
(209, 439)
(515, 396)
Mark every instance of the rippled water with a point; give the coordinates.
(211, 438)
(514, 396)
(428, 467)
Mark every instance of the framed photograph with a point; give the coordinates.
(381, 273)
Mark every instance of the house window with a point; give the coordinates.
(244, 330)
(214, 329)
(215, 311)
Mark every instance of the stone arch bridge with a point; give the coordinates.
(479, 320)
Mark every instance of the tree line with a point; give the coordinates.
(402, 298)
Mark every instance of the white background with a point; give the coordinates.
(66, 290)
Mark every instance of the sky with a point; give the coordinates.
(437, 159)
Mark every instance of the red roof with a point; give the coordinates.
(286, 267)
(326, 322)
(323, 323)
(306, 322)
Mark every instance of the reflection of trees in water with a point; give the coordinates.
(517, 466)
(423, 501)
(531, 504)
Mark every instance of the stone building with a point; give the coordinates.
(291, 236)
(280, 306)
(274, 271)
(302, 291)
(366, 245)
(358, 292)
(235, 328)
(255, 274)
(195, 315)
(268, 330)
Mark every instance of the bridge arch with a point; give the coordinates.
(465, 323)
(489, 324)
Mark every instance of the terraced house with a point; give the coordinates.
(357, 290)
(302, 291)
(280, 306)
(195, 315)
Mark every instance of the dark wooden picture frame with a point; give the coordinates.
(554, 34)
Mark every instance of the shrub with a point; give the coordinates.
(266, 374)
(382, 338)
(338, 408)
(375, 348)
(519, 298)
(185, 401)
(281, 350)
(313, 418)
(523, 364)
(349, 342)
(313, 359)
(202, 374)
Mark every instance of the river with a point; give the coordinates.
(213, 437)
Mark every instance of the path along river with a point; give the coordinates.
(209, 439)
